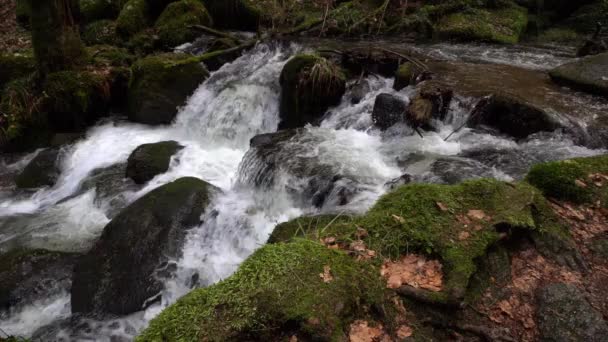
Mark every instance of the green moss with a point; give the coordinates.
(277, 288)
(15, 65)
(559, 179)
(133, 18)
(109, 55)
(93, 10)
(406, 75)
(308, 226)
(173, 24)
(585, 18)
(504, 25)
(235, 14)
(101, 32)
(559, 35)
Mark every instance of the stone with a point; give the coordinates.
(150, 160)
(388, 110)
(589, 74)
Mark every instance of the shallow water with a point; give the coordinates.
(236, 103)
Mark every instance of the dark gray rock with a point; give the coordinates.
(119, 274)
(388, 111)
(43, 170)
(110, 184)
(564, 315)
(150, 160)
(397, 182)
(587, 74)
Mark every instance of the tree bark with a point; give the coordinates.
(55, 35)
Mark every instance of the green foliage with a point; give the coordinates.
(93, 10)
(133, 18)
(278, 286)
(503, 25)
(15, 65)
(109, 55)
(559, 35)
(173, 24)
(559, 179)
(101, 32)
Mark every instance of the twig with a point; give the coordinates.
(216, 33)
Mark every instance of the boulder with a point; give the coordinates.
(592, 47)
(160, 84)
(512, 116)
(43, 170)
(502, 25)
(111, 188)
(118, 275)
(30, 275)
(134, 17)
(432, 102)
(234, 14)
(399, 181)
(587, 74)
(388, 110)
(309, 86)
(565, 315)
(174, 24)
(406, 75)
(100, 32)
(93, 10)
(150, 160)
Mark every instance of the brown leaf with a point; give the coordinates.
(463, 235)
(404, 331)
(580, 183)
(478, 215)
(361, 233)
(398, 219)
(360, 331)
(441, 206)
(415, 271)
(293, 338)
(326, 275)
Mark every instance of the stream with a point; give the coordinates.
(238, 102)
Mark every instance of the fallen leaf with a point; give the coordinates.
(326, 275)
(463, 235)
(404, 331)
(293, 338)
(478, 215)
(398, 219)
(441, 206)
(360, 331)
(580, 183)
(361, 233)
(357, 246)
(415, 271)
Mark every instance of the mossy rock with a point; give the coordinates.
(310, 84)
(119, 274)
(43, 170)
(235, 14)
(144, 43)
(572, 180)
(134, 17)
(436, 220)
(104, 55)
(585, 18)
(101, 32)
(162, 83)
(586, 74)
(173, 25)
(559, 35)
(278, 286)
(150, 160)
(15, 65)
(76, 99)
(504, 25)
(94, 10)
(406, 75)
(306, 226)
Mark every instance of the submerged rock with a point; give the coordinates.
(588, 74)
(160, 84)
(565, 315)
(431, 102)
(118, 275)
(30, 275)
(388, 110)
(43, 170)
(150, 160)
(309, 86)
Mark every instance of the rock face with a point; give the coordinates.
(28, 275)
(118, 275)
(150, 160)
(565, 315)
(431, 102)
(41, 171)
(388, 110)
(309, 86)
(512, 116)
(587, 74)
(160, 84)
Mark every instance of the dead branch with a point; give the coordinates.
(428, 297)
(215, 33)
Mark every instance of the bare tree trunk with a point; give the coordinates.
(55, 34)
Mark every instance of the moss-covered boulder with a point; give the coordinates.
(15, 65)
(41, 171)
(173, 25)
(279, 286)
(144, 42)
(587, 74)
(134, 17)
(309, 86)
(457, 223)
(119, 274)
(431, 102)
(503, 25)
(585, 18)
(406, 75)
(213, 63)
(100, 32)
(565, 315)
(235, 14)
(160, 84)
(150, 160)
(94, 10)
(573, 180)
(30, 275)
(75, 99)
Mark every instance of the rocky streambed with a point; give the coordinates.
(101, 234)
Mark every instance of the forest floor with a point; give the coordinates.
(13, 37)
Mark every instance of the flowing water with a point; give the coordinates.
(236, 103)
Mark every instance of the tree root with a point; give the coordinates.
(487, 333)
(433, 298)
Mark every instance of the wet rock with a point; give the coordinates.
(358, 91)
(388, 110)
(150, 160)
(43, 170)
(110, 185)
(397, 182)
(30, 275)
(592, 47)
(512, 116)
(309, 86)
(359, 61)
(431, 102)
(406, 75)
(160, 84)
(453, 170)
(219, 44)
(118, 275)
(587, 74)
(514, 163)
(240, 14)
(174, 26)
(565, 315)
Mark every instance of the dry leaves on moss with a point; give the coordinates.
(326, 275)
(361, 331)
(413, 270)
